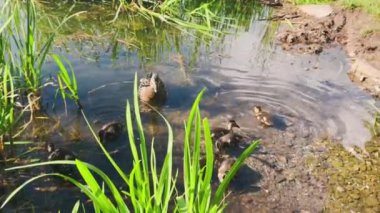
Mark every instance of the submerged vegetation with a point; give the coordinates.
(133, 29)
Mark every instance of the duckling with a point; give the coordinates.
(218, 132)
(110, 131)
(225, 167)
(60, 154)
(224, 137)
(263, 117)
(152, 89)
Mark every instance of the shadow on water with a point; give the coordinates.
(308, 95)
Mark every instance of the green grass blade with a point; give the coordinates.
(224, 184)
(106, 204)
(144, 155)
(73, 181)
(76, 207)
(209, 151)
(106, 153)
(165, 182)
(107, 180)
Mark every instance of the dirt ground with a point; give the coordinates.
(356, 31)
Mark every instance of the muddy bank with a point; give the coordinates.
(311, 29)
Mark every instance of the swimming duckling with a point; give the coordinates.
(60, 154)
(110, 131)
(218, 132)
(225, 167)
(224, 137)
(263, 117)
(152, 89)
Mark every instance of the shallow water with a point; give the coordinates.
(310, 96)
(311, 91)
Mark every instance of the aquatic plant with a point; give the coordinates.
(148, 36)
(67, 83)
(25, 50)
(7, 116)
(150, 190)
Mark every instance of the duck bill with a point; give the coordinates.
(153, 82)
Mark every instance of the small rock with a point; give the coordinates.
(371, 48)
(340, 189)
(377, 89)
(291, 39)
(282, 159)
(280, 179)
(318, 11)
(362, 78)
(291, 135)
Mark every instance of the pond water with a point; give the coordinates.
(310, 96)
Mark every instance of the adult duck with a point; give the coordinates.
(152, 89)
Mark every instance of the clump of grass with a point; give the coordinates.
(150, 190)
(67, 85)
(25, 50)
(7, 116)
(371, 6)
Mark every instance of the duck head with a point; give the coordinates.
(50, 147)
(232, 124)
(101, 135)
(257, 109)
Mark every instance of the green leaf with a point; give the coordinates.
(106, 204)
(224, 184)
(76, 207)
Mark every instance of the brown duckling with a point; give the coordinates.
(265, 119)
(110, 131)
(224, 137)
(152, 89)
(218, 132)
(60, 154)
(225, 167)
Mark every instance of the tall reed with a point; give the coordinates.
(25, 48)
